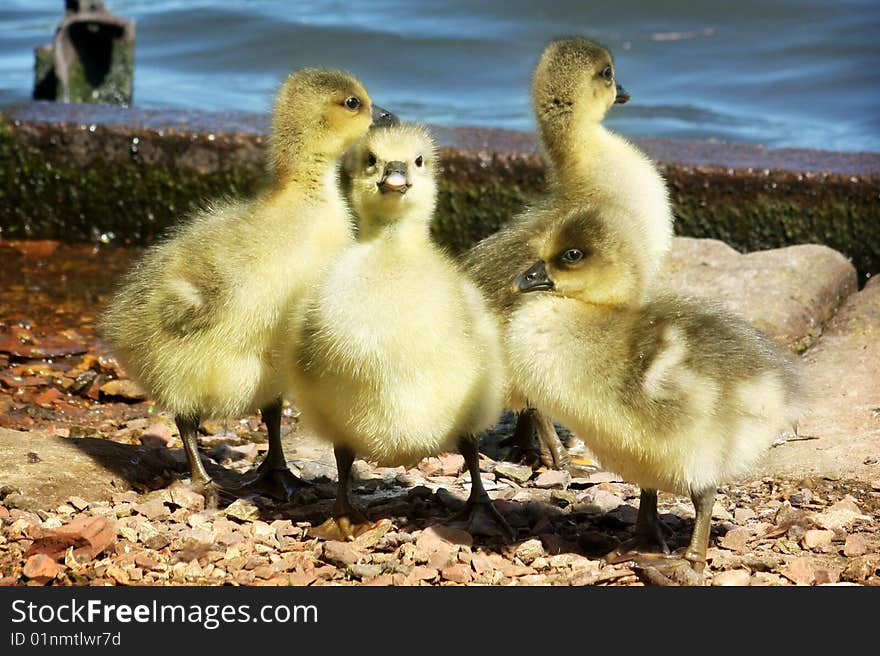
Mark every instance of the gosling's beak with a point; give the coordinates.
(394, 178)
(382, 116)
(622, 95)
(532, 279)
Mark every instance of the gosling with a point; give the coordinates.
(197, 321)
(672, 394)
(397, 357)
(573, 87)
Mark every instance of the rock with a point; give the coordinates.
(40, 348)
(95, 469)
(861, 568)
(157, 436)
(826, 575)
(720, 512)
(514, 472)
(733, 577)
(39, 248)
(341, 554)
(787, 292)
(183, 496)
(600, 501)
(152, 509)
(483, 562)
(801, 498)
(124, 389)
(364, 572)
(841, 416)
(78, 502)
(736, 539)
(817, 538)
(457, 573)
(422, 573)
(451, 464)
(558, 478)
(370, 537)
(841, 515)
(89, 536)
(742, 515)
(41, 567)
(529, 550)
(242, 509)
(312, 471)
(442, 539)
(855, 545)
(801, 570)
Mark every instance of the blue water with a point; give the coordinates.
(775, 72)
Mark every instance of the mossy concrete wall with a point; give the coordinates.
(125, 182)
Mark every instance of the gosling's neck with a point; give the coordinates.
(303, 162)
(574, 151)
(310, 175)
(408, 231)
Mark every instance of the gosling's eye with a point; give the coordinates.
(352, 102)
(572, 255)
(371, 160)
(608, 74)
(419, 161)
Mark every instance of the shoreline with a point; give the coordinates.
(122, 175)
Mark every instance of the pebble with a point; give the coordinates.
(801, 570)
(341, 554)
(512, 471)
(736, 539)
(600, 501)
(41, 567)
(124, 388)
(733, 577)
(855, 545)
(242, 509)
(552, 478)
(152, 509)
(841, 515)
(529, 550)
(457, 573)
(817, 538)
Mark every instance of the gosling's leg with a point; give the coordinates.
(201, 480)
(553, 454)
(347, 522)
(686, 569)
(649, 532)
(478, 501)
(696, 552)
(274, 478)
(523, 438)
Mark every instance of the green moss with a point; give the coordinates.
(46, 195)
(133, 191)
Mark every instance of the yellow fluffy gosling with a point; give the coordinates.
(670, 393)
(397, 357)
(573, 87)
(196, 322)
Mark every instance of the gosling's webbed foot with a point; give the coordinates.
(275, 482)
(481, 517)
(343, 528)
(668, 570)
(213, 492)
(635, 548)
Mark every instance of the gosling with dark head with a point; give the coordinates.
(671, 393)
